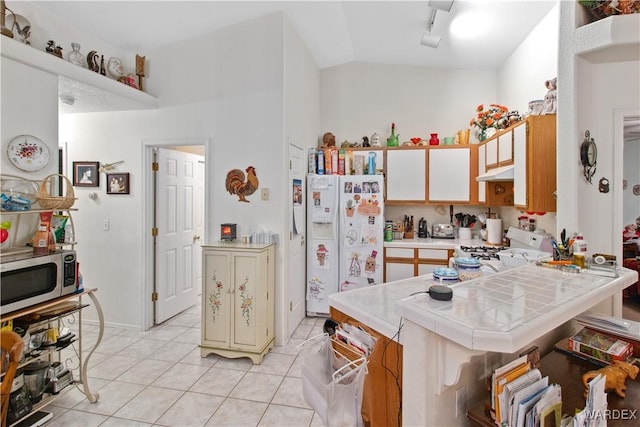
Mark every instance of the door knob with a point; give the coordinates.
(196, 237)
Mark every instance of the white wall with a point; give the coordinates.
(32, 91)
(522, 76)
(301, 125)
(359, 99)
(596, 211)
(235, 116)
(521, 79)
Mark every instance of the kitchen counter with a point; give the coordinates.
(505, 311)
(375, 306)
(430, 243)
(492, 315)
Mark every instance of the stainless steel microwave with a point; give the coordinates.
(26, 281)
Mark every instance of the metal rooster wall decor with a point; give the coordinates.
(240, 185)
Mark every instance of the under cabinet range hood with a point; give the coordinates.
(504, 173)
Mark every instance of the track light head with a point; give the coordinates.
(430, 40)
(444, 5)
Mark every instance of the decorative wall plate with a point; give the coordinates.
(636, 190)
(28, 153)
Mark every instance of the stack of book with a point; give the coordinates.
(522, 397)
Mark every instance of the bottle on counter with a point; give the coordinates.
(388, 231)
(580, 245)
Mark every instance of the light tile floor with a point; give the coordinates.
(157, 378)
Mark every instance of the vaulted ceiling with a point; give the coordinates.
(335, 32)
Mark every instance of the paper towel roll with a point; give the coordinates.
(494, 231)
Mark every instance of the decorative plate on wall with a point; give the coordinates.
(28, 153)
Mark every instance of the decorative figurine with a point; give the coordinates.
(103, 71)
(53, 49)
(92, 61)
(616, 374)
(549, 105)
(328, 140)
(236, 184)
(365, 142)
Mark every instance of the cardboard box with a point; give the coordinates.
(600, 346)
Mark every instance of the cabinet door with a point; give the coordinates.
(505, 149)
(482, 186)
(248, 283)
(398, 271)
(449, 171)
(406, 175)
(520, 166)
(216, 301)
(492, 153)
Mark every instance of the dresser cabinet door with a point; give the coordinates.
(216, 301)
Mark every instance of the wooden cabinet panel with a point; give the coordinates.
(216, 295)
(404, 263)
(535, 164)
(482, 186)
(382, 389)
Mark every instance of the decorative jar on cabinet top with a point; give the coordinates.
(434, 139)
(75, 57)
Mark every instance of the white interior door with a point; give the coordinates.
(179, 219)
(296, 285)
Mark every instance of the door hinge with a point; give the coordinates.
(267, 333)
(267, 295)
(290, 164)
(155, 167)
(290, 305)
(290, 235)
(154, 231)
(154, 296)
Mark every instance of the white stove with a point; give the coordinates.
(483, 253)
(488, 256)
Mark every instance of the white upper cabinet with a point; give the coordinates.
(406, 175)
(449, 174)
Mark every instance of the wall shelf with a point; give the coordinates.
(91, 91)
(612, 39)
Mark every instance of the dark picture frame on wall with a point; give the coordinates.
(86, 174)
(118, 183)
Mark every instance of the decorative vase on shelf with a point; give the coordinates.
(75, 57)
(392, 141)
(434, 139)
(482, 135)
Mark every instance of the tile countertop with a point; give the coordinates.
(500, 312)
(433, 243)
(506, 311)
(375, 306)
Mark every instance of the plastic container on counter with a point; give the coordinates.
(445, 276)
(468, 268)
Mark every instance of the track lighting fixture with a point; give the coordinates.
(428, 39)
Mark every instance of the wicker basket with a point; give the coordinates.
(47, 201)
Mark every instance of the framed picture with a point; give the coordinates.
(118, 183)
(86, 174)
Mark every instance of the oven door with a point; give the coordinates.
(28, 282)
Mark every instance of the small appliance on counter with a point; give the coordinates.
(423, 231)
(442, 231)
(228, 231)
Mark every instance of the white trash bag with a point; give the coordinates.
(332, 384)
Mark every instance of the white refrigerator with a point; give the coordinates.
(345, 231)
